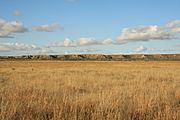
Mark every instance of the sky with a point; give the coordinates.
(89, 27)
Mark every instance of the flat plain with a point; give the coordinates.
(89, 90)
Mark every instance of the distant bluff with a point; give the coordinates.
(97, 57)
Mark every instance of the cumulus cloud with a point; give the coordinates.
(66, 43)
(93, 41)
(87, 41)
(140, 49)
(174, 23)
(6, 47)
(21, 48)
(5, 34)
(80, 42)
(88, 50)
(47, 28)
(174, 26)
(9, 27)
(164, 49)
(144, 33)
(131, 34)
(107, 41)
(155, 50)
(16, 13)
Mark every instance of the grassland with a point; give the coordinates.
(57, 90)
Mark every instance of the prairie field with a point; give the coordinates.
(89, 90)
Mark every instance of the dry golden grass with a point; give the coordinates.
(44, 90)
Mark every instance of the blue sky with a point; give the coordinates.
(89, 26)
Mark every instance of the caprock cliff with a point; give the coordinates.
(97, 57)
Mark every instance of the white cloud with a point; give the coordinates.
(87, 50)
(47, 28)
(140, 49)
(164, 49)
(80, 42)
(6, 47)
(174, 23)
(21, 48)
(177, 30)
(87, 41)
(16, 13)
(134, 34)
(174, 26)
(13, 26)
(68, 43)
(37, 51)
(144, 33)
(43, 51)
(4, 34)
(7, 28)
(107, 41)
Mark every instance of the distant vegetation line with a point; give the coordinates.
(97, 57)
